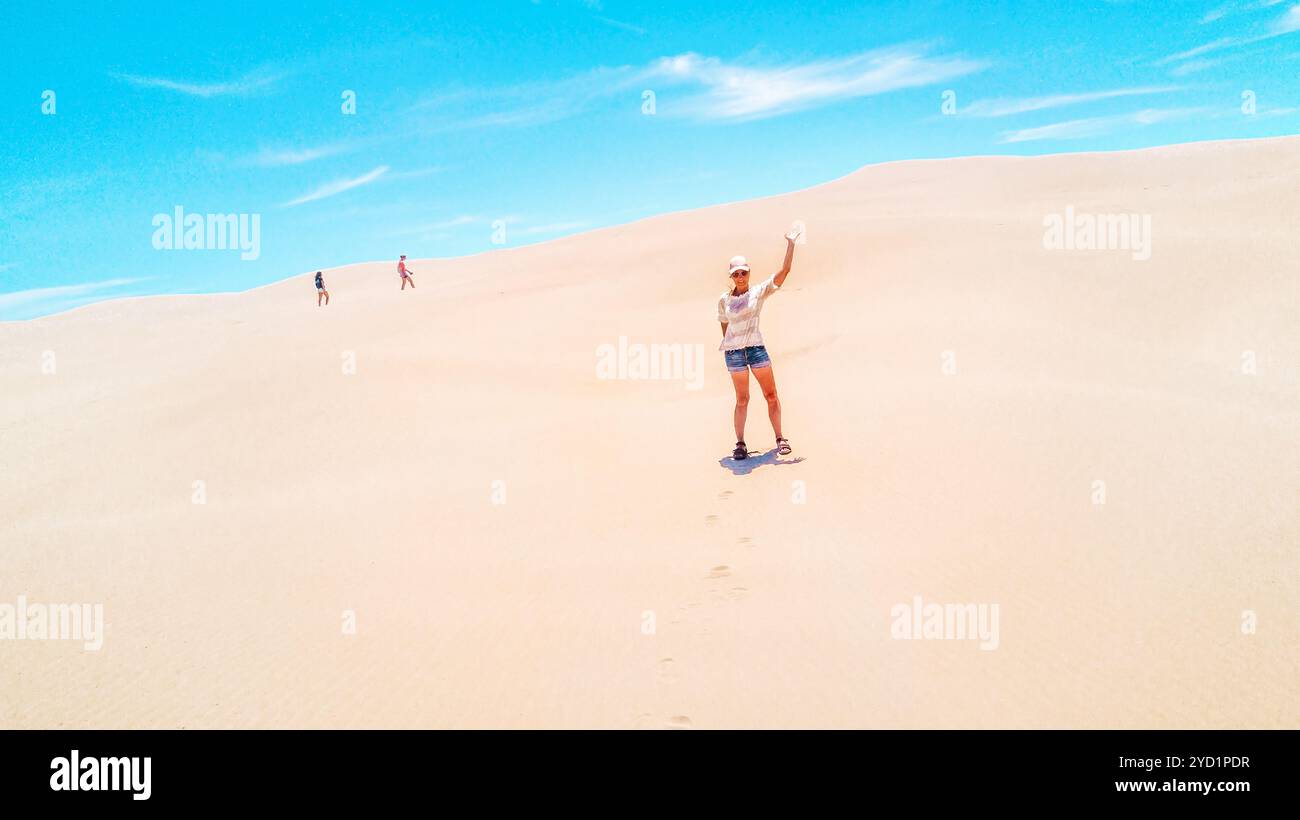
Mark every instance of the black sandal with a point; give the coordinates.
(740, 452)
(782, 447)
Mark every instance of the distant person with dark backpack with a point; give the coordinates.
(320, 290)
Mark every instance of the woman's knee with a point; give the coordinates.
(742, 399)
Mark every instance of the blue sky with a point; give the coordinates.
(531, 113)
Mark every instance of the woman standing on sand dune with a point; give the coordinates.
(320, 290)
(742, 343)
(405, 273)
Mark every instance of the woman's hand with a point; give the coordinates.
(790, 239)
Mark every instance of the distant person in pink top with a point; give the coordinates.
(404, 273)
(742, 344)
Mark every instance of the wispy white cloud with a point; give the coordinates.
(1229, 9)
(746, 91)
(338, 186)
(525, 104)
(1204, 48)
(248, 84)
(635, 29)
(1214, 14)
(1097, 126)
(713, 88)
(1194, 67)
(1287, 23)
(29, 298)
(277, 157)
(1008, 107)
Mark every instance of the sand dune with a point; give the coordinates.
(373, 492)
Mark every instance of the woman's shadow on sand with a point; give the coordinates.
(749, 465)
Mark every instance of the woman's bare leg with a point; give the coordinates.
(740, 381)
(767, 381)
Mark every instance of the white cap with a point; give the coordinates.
(738, 263)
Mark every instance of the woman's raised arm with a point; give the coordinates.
(790, 239)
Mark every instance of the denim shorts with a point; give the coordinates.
(746, 357)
